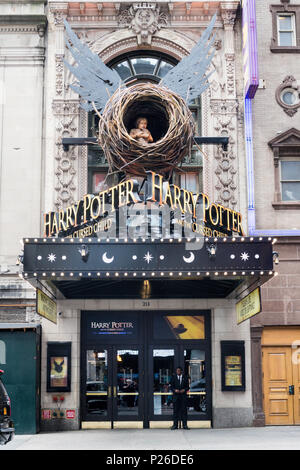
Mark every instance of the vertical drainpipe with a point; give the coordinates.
(250, 64)
(250, 165)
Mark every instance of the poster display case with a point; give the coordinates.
(58, 367)
(233, 366)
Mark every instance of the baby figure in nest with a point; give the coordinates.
(141, 133)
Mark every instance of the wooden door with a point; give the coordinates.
(278, 377)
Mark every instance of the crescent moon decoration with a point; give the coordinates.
(106, 259)
(190, 259)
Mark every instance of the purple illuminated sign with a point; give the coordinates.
(250, 64)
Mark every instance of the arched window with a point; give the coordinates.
(144, 66)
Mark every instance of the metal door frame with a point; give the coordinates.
(112, 414)
(145, 344)
(179, 361)
(139, 418)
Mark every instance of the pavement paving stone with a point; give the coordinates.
(266, 438)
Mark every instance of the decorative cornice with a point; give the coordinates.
(19, 28)
(181, 14)
(23, 24)
(22, 55)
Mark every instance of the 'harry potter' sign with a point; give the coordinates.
(95, 213)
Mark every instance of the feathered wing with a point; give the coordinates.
(95, 81)
(188, 78)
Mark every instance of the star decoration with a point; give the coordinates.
(51, 257)
(148, 257)
(245, 256)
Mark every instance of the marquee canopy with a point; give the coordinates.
(113, 268)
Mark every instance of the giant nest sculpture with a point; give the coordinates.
(164, 107)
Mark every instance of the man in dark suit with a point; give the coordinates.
(179, 386)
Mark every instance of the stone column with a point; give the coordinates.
(257, 379)
(63, 108)
(224, 111)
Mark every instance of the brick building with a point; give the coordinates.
(274, 210)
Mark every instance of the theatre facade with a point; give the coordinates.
(124, 311)
(131, 311)
(125, 277)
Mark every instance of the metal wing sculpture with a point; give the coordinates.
(96, 81)
(188, 78)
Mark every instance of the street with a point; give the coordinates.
(265, 438)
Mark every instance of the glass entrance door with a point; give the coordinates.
(125, 380)
(195, 369)
(97, 403)
(112, 385)
(126, 384)
(163, 361)
(194, 363)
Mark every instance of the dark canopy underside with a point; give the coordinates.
(157, 289)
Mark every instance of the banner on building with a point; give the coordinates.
(45, 306)
(248, 306)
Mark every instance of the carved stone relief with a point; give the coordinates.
(65, 109)
(228, 16)
(59, 75)
(58, 13)
(144, 19)
(224, 114)
(218, 80)
(83, 155)
(230, 73)
(67, 122)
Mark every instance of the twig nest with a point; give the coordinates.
(170, 123)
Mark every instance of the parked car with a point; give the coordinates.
(197, 402)
(7, 429)
(96, 399)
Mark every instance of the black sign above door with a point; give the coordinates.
(105, 327)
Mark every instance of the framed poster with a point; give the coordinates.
(233, 366)
(179, 327)
(58, 367)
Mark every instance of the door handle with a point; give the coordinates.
(115, 392)
(291, 390)
(109, 392)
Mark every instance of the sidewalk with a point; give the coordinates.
(267, 438)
